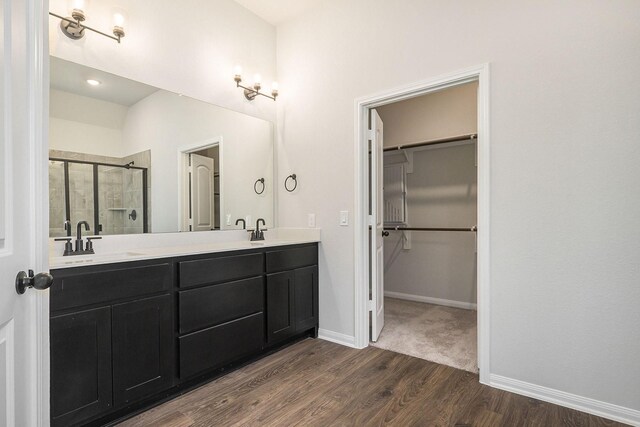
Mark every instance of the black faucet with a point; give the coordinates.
(79, 242)
(67, 227)
(244, 223)
(258, 234)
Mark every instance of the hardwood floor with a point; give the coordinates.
(318, 383)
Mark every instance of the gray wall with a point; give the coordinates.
(564, 102)
(441, 192)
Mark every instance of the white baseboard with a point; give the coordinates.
(338, 338)
(573, 401)
(429, 300)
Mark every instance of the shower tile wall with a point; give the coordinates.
(120, 195)
(120, 192)
(81, 194)
(56, 199)
(132, 192)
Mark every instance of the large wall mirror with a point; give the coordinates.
(131, 158)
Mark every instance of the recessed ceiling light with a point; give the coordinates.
(93, 82)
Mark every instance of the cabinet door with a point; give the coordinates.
(306, 298)
(142, 348)
(80, 366)
(280, 300)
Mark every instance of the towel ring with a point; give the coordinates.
(295, 182)
(255, 185)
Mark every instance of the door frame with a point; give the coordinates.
(479, 73)
(38, 140)
(183, 184)
(38, 80)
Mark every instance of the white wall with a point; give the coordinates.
(186, 46)
(564, 156)
(85, 125)
(164, 122)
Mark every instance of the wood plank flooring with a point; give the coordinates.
(318, 383)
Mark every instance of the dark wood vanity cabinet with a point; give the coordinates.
(292, 294)
(126, 335)
(81, 382)
(142, 348)
(109, 348)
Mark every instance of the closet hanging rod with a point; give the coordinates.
(470, 136)
(472, 229)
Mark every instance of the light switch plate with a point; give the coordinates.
(311, 220)
(344, 218)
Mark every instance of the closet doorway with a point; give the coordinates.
(429, 215)
(427, 152)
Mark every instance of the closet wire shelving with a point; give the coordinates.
(471, 136)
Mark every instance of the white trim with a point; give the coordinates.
(431, 300)
(38, 48)
(569, 400)
(478, 73)
(7, 338)
(183, 151)
(337, 338)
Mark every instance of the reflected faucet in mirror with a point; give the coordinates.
(244, 223)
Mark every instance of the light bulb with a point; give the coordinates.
(77, 8)
(237, 70)
(78, 4)
(274, 86)
(119, 20)
(257, 82)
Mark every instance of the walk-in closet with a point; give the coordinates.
(430, 217)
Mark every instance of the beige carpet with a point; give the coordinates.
(436, 333)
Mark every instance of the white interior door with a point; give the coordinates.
(23, 384)
(202, 200)
(377, 227)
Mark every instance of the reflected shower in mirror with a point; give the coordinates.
(130, 158)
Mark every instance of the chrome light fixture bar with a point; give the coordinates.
(252, 92)
(74, 27)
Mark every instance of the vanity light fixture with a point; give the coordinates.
(73, 26)
(252, 93)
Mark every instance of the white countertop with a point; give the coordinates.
(112, 249)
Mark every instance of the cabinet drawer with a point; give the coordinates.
(219, 345)
(288, 259)
(203, 307)
(220, 269)
(72, 289)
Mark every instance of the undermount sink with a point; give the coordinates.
(80, 259)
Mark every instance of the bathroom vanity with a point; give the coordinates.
(127, 335)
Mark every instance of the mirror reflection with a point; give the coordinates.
(130, 158)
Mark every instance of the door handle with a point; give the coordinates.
(40, 281)
(385, 233)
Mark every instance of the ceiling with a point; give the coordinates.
(277, 12)
(70, 77)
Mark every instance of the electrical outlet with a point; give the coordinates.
(311, 220)
(228, 219)
(344, 218)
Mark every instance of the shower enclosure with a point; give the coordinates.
(112, 198)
